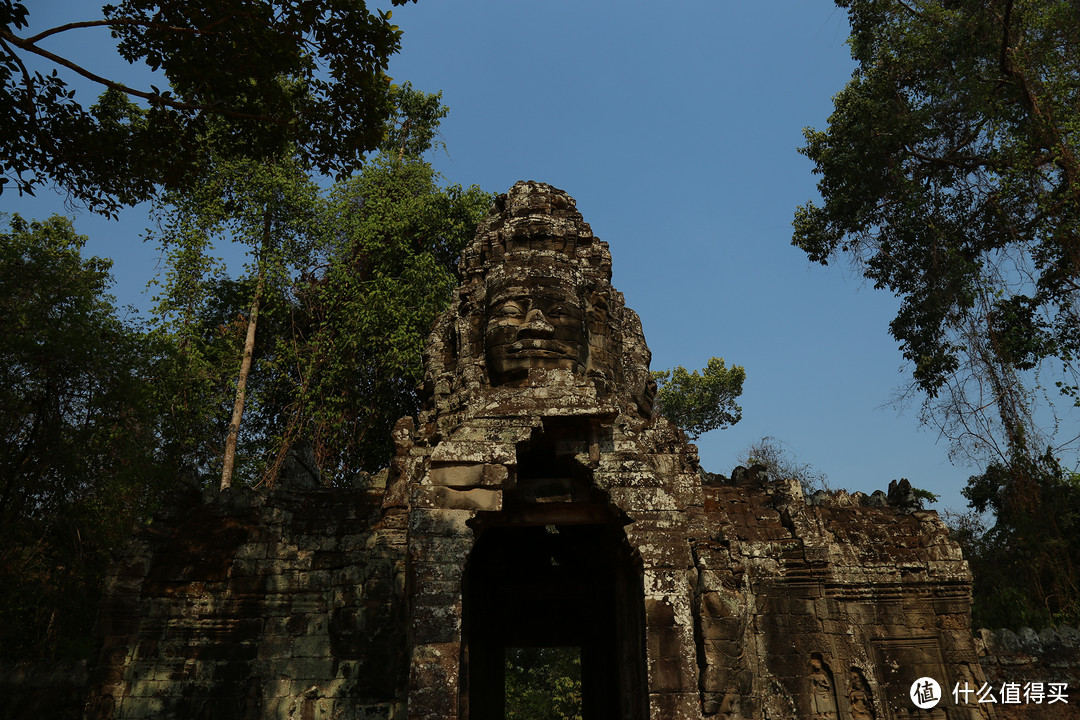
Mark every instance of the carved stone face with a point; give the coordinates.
(534, 322)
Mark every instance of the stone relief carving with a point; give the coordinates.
(968, 676)
(536, 325)
(731, 705)
(536, 308)
(862, 703)
(822, 690)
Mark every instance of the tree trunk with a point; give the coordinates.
(245, 368)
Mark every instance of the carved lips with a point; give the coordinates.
(542, 348)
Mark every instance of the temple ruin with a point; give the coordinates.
(537, 500)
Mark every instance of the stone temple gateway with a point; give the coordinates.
(537, 501)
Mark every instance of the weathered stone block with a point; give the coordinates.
(666, 642)
(424, 572)
(674, 706)
(313, 581)
(311, 669)
(457, 476)
(436, 624)
(473, 453)
(469, 476)
(443, 549)
(442, 521)
(479, 499)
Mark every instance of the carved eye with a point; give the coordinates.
(559, 311)
(509, 309)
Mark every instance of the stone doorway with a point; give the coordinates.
(557, 584)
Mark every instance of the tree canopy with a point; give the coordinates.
(344, 286)
(700, 401)
(80, 458)
(1026, 561)
(244, 78)
(950, 175)
(273, 208)
(392, 255)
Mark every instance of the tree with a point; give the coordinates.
(951, 177)
(247, 78)
(391, 267)
(413, 123)
(79, 436)
(273, 208)
(700, 401)
(352, 283)
(1026, 565)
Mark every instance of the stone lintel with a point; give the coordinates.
(479, 499)
(468, 475)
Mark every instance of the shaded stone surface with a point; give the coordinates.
(537, 500)
(1022, 658)
(30, 691)
(281, 605)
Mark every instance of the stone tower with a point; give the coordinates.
(545, 507)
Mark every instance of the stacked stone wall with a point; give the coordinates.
(833, 607)
(1027, 657)
(32, 691)
(257, 605)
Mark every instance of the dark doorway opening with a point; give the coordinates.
(562, 584)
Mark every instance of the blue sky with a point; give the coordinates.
(676, 127)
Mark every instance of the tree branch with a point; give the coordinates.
(910, 9)
(1047, 133)
(959, 161)
(44, 139)
(119, 21)
(154, 25)
(149, 97)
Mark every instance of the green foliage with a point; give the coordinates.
(242, 201)
(275, 210)
(700, 401)
(543, 683)
(1027, 564)
(78, 456)
(391, 258)
(921, 494)
(204, 371)
(247, 78)
(413, 123)
(950, 175)
(351, 284)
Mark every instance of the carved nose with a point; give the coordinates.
(536, 325)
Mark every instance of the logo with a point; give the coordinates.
(925, 693)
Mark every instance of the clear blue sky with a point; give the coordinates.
(675, 126)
